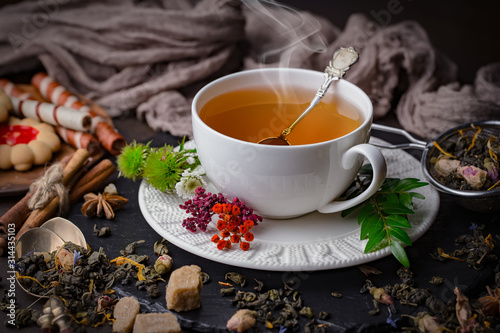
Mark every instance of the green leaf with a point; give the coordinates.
(397, 221)
(406, 200)
(394, 208)
(366, 170)
(366, 211)
(399, 252)
(392, 198)
(389, 184)
(409, 184)
(417, 195)
(372, 225)
(400, 234)
(375, 238)
(383, 217)
(349, 211)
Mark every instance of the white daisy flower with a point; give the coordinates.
(188, 184)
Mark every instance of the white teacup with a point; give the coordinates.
(287, 181)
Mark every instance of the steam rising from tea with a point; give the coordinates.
(254, 114)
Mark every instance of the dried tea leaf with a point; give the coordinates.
(204, 277)
(102, 232)
(336, 294)
(236, 278)
(130, 248)
(436, 280)
(367, 270)
(160, 248)
(230, 291)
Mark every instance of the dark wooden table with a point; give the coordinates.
(462, 30)
(349, 313)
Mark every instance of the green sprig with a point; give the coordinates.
(383, 217)
(161, 167)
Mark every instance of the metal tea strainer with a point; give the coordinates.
(476, 200)
(49, 237)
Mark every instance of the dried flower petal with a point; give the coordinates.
(446, 165)
(65, 259)
(242, 320)
(163, 264)
(474, 176)
(444, 255)
(427, 324)
(381, 296)
(464, 311)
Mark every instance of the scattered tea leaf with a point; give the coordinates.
(367, 270)
(336, 294)
(237, 278)
(102, 232)
(130, 248)
(436, 280)
(160, 247)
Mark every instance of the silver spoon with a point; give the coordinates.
(343, 58)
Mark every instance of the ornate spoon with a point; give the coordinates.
(343, 58)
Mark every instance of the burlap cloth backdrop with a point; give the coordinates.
(152, 57)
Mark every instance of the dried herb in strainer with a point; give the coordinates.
(468, 159)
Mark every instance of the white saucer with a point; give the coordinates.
(311, 242)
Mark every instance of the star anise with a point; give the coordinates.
(491, 303)
(104, 204)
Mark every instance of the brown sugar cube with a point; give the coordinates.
(125, 313)
(156, 323)
(183, 289)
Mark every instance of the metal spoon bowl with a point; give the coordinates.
(343, 58)
(50, 236)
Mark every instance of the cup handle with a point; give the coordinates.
(377, 160)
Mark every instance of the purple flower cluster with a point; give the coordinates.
(200, 207)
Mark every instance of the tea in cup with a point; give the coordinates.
(231, 114)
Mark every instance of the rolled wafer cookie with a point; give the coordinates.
(10, 89)
(79, 139)
(56, 93)
(102, 127)
(76, 139)
(56, 115)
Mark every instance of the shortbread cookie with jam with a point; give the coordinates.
(25, 143)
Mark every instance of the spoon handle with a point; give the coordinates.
(342, 59)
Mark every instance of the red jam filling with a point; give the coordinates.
(15, 134)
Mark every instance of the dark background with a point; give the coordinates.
(465, 31)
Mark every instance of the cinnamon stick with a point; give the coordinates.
(13, 217)
(16, 215)
(92, 180)
(79, 158)
(87, 183)
(38, 216)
